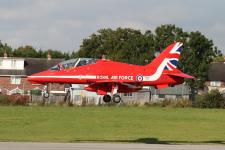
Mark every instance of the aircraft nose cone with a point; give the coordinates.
(34, 78)
(29, 78)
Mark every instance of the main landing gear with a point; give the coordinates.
(107, 98)
(115, 98)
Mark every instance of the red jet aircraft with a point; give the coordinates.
(106, 76)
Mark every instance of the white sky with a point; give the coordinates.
(63, 24)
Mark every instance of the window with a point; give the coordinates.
(15, 80)
(82, 63)
(86, 61)
(74, 63)
(65, 64)
(1, 62)
(13, 63)
(215, 83)
(161, 96)
(127, 94)
(179, 96)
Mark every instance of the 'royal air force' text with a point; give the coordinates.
(130, 78)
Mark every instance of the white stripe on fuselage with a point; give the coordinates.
(66, 77)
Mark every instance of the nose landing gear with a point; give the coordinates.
(46, 91)
(46, 94)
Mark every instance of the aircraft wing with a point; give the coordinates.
(106, 85)
(130, 84)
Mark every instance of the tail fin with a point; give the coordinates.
(166, 63)
(168, 59)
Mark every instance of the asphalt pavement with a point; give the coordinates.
(102, 146)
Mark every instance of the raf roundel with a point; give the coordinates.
(139, 78)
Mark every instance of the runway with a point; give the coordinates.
(102, 146)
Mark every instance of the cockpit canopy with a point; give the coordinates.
(72, 63)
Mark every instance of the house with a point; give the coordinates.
(13, 73)
(216, 77)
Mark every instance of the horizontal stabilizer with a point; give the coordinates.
(180, 74)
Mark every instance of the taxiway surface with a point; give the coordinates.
(102, 146)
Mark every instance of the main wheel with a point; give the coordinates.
(116, 98)
(46, 95)
(107, 98)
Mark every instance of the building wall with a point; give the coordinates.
(221, 88)
(12, 63)
(146, 97)
(78, 95)
(136, 97)
(222, 84)
(6, 86)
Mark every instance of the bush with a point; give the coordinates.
(171, 103)
(176, 103)
(35, 92)
(213, 99)
(4, 100)
(14, 99)
(184, 103)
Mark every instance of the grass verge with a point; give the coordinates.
(112, 124)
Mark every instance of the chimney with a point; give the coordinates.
(49, 56)
(5, 54)
(103, 57)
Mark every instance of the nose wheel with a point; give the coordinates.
(46, 94)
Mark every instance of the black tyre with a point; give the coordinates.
(46, 95)
(116, 98)
(107, 98)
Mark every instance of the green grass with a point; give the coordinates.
(117, 124)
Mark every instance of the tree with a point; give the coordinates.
(126, 45)
(218, 59)
(25, 51)
(54, 53)
(5, 48)
(167, 34)
(29, 51)
(198, 53)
